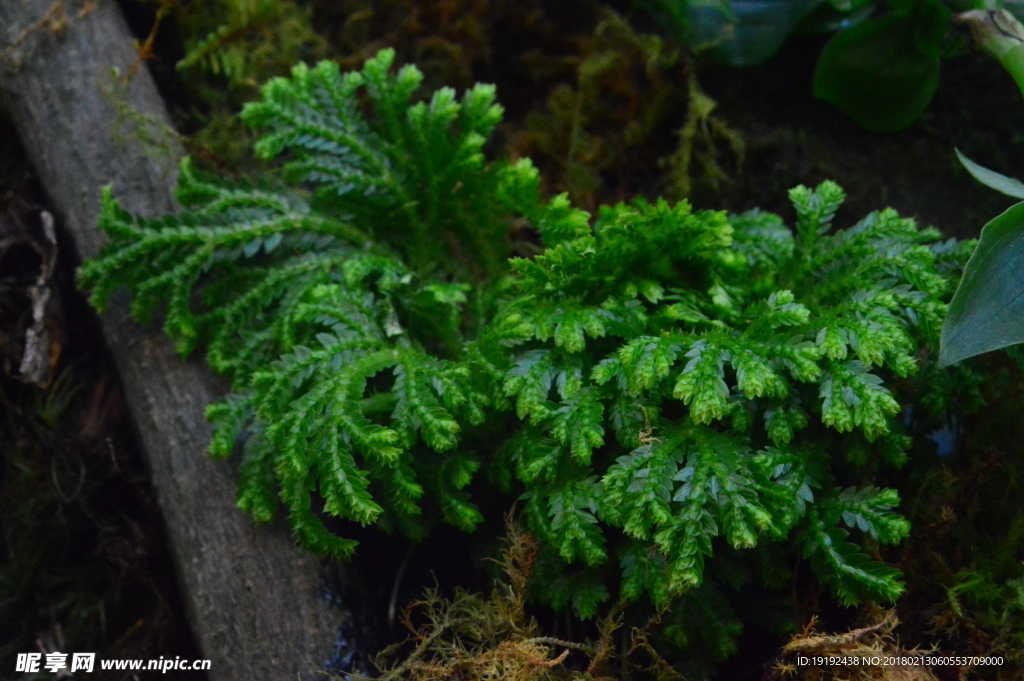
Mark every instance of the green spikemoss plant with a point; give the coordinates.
(681, 380)
(307, 297)
(684, 376)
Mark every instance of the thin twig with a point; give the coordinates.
(50, 17)
(146, 48)
(550, 641)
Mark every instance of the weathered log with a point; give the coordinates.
(251, 594)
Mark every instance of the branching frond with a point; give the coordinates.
(743, 323)
(337, 315)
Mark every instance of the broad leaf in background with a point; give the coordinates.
(987, 312)
(884, 72)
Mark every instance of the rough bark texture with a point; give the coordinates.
(251, 594)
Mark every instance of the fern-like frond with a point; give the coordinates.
(414, 171)
(341, 350)
(658, 308)
(246, 41)
(853, 576)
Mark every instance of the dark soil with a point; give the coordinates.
(793, 139)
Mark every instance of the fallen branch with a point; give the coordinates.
(250, 594)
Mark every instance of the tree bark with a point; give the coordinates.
(251, 594)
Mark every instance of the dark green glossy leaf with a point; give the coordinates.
(987, 312)
(876, 73)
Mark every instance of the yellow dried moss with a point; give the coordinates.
(870, 653)
(473, 638)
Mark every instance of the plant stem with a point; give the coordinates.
(1000, 34)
